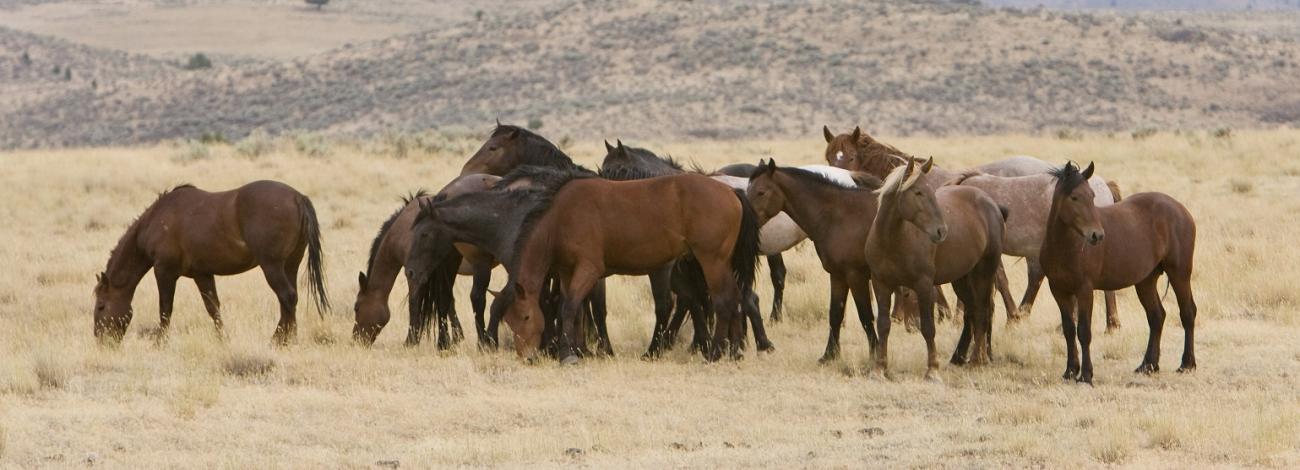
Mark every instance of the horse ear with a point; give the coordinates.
(911, 166)
(929, 165)
(361, 279)
(498, 122)
(99, 279)
(494, 293)
(1087, 173)
(857, 134)
(519, 291)
(608, 148)
(826, 131)
(620, 143)
(771, 166)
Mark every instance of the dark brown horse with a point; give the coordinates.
(388, 255)
(1127, 244)
(837, 219)
(921, 238)
(591, 228)
(510, 147)
(197, 234)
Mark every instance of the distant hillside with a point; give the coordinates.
(1221, 5)
(713, 69)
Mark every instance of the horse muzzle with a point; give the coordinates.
(1095, 237)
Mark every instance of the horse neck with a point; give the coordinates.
(888, 228)
(383, 272)
(534, 260)
(1060, 241)
(807, 204)
(129, 262)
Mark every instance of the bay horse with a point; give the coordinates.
(388, 253)
(682, 278)
(491, 221)
(193, 233)
(922, 238)
(591, 228)
(837, 217)
(1029, 200)
(1126, 244)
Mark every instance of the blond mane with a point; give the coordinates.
(895, 182)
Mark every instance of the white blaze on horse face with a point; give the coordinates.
(839, 156)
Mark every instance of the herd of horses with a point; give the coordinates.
(882, 222)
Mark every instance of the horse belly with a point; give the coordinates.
(779, 234)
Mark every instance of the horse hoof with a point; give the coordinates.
(1070, 374)
(932, 376)
(570, 360)
(958, 361)
(766, 347)
(826, 359)
(1147, 369)
(1187, 368)
(1112, 329)
(877, 374)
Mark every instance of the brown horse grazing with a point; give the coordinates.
(388, 255)
(194, 233)
(837, 219)
(921, 238)
(591, 228)
(1127, 244)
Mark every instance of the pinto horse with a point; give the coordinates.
(837, 217)
(197, 234)
(591, 228)
(922, 238)
(1127, 244)
(388, 253)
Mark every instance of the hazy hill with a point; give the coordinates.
(715, 69)
(1152, 4)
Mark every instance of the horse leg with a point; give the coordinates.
(1149, 296)
(1182, 284)
(750, 307)
(839, 293)
(1083, 306)
(1112, 312)
(882, 328)
(287, 294)
(420, 317)
(661, 289)
(579, 284)
(166, 279)
(860, 287)
(208, 290)
(925, 300)
(1065, 301)
(478, 301)
(961, 354)
(1035, 281)
(1004, 290)
(725, 296)
(600, 313)
(776, 264)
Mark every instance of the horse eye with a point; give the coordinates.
(492, 148)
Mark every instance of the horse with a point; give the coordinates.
(858, 151)
(491, 222)
(1029, 199)
(509, 147)
(837, 217)
(198, 234)
(1126, 244)
(591, 228)
(682, 277)
(388, 253)
(922, 238)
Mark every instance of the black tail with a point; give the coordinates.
(434, 294)
(1003, 209)
(744, 257)
(315, 259)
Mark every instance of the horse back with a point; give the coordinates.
(1144, 232)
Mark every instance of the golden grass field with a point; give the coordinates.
(323, 402)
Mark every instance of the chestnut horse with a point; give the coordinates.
(388, 253)
(837, 218)
(197, 234)
(1127, 244)
(591, 228)
(922, 238)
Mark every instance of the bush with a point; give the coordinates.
(311, 145)
(245, 364)
(535, 124)
(1144, 132)
(193, 151)
(213, 137)
(1222, 133)
(257, 144)
(1069, 134)
(198, 61)
(316, 3)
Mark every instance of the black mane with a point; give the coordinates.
(537, 150)
(1067, 177)
(543, 176)
(388, 224)
(640, 164)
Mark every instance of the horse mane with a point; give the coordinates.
(539, 150)
(636, 170)
(816, 178)
(1067, 177)
(895, 181)
(543, 176)
(388, 224)
(133, 229)
(879, 158)
(963, 176)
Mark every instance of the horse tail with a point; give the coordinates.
(315, 258)
(1004, 211)
(1114, 190)
(744, 256)
(962, 177)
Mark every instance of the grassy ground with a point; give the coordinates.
(197, 402)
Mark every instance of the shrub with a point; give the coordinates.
(255, 145)
(1069, 134)
(1222, 133)
(1144, 132)
(198, 61)
(311, 145)
(193, 151)
(245, 364)
(213, 137)
(535, 123)
(50, 373)
(1241, 186)
(316, 3)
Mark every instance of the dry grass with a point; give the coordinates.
(326, 403)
